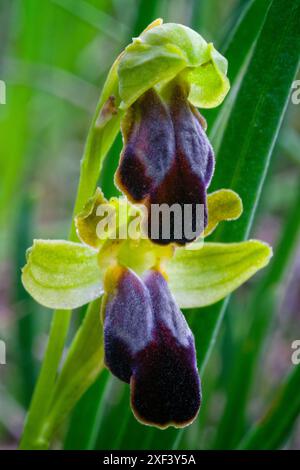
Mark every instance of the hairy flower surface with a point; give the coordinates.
(167, 159)
(149, 344)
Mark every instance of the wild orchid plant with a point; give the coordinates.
(152, 92)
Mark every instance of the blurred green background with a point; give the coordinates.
(54, 56)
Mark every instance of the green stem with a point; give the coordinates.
(43, 391)
(103, 131)
(82, 366)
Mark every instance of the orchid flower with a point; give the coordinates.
(147, 340)
(162, 77)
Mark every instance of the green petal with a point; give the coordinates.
(222, 205)
(209, 84)
(164, 51)
(61, 274)
(200, 277)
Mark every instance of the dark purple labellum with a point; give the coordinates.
(149, 344)
(128, 323)
(149, 147)
(167, 159)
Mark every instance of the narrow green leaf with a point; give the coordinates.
(204, 276)
(256, 116)
(85, 418)
(146, 12)
(114, 408)
(237, 49)
(244, 35)
(257, 113)
(261, 308)
(81, 368)
(61, 274)
(32, 434)
(26, 307)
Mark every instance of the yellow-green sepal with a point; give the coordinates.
(202, 277)
(61, 274)
(222, 205)
(163, 52)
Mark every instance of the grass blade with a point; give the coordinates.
(26, 324)
(81, 368)
(146, 13)
(237, 49)
(260, 106)
(258, 113)
(85, 416)
(261, 309)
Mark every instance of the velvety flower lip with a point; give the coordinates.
(193, 148)
(148, 342)
(128, 322)
(166, 386)
(167, 159)
(149, 147)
